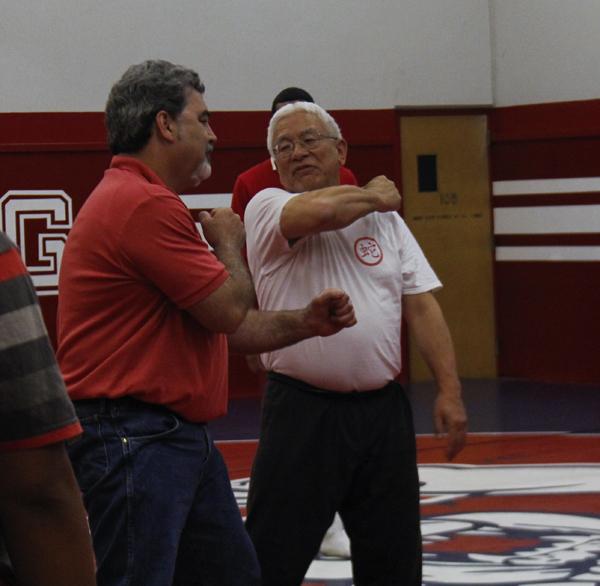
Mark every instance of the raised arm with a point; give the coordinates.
(263, 331)
(226, 308)
(428, 326)
(336, 207)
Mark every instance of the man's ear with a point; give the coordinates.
(273, 164)
(165, 126)
(342, 148)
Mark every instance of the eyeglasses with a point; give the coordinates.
(309, 142)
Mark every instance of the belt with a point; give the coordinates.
(106, 406)
(351, 395)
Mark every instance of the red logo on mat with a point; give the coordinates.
(368, 251)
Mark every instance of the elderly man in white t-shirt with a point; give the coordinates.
(336, 431)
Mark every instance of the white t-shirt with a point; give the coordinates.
(375, 260)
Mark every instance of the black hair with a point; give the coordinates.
(290, 94)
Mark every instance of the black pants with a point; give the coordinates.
(322, 452)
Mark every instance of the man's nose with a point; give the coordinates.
(302, 150)
(211, 135)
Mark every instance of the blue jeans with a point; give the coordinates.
(159, 500)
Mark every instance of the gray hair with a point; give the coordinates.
(143, 91)
(321, 113)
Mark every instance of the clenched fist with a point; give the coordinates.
(222, 227)
(389, 196)
(329, 312)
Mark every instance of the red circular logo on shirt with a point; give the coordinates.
(368, 251)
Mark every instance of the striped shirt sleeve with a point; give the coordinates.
(35, 409)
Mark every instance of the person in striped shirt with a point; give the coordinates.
(44, 534)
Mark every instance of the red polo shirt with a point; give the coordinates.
(133, 263)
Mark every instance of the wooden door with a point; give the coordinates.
(446, 195)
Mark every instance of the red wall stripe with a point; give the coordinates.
(233, 129)
(544, 121)
(51, 130)
(545, 159)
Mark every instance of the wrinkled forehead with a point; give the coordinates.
(297, 124)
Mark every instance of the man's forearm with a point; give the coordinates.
(326, 209)
(238, 270)
(264, 331)
(52, 546)
(437, 350)
(43, 520)
(432, 336)
(225, 309)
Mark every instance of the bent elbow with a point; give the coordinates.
(233, 320)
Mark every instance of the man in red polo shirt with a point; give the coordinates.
(144, 306)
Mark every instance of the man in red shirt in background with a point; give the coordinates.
(264, 175)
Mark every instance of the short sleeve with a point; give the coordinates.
(264, 240)
(160, 241)
(417, 274)
(34, 407)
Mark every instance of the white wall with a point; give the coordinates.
(63, 55)
(545, 50)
